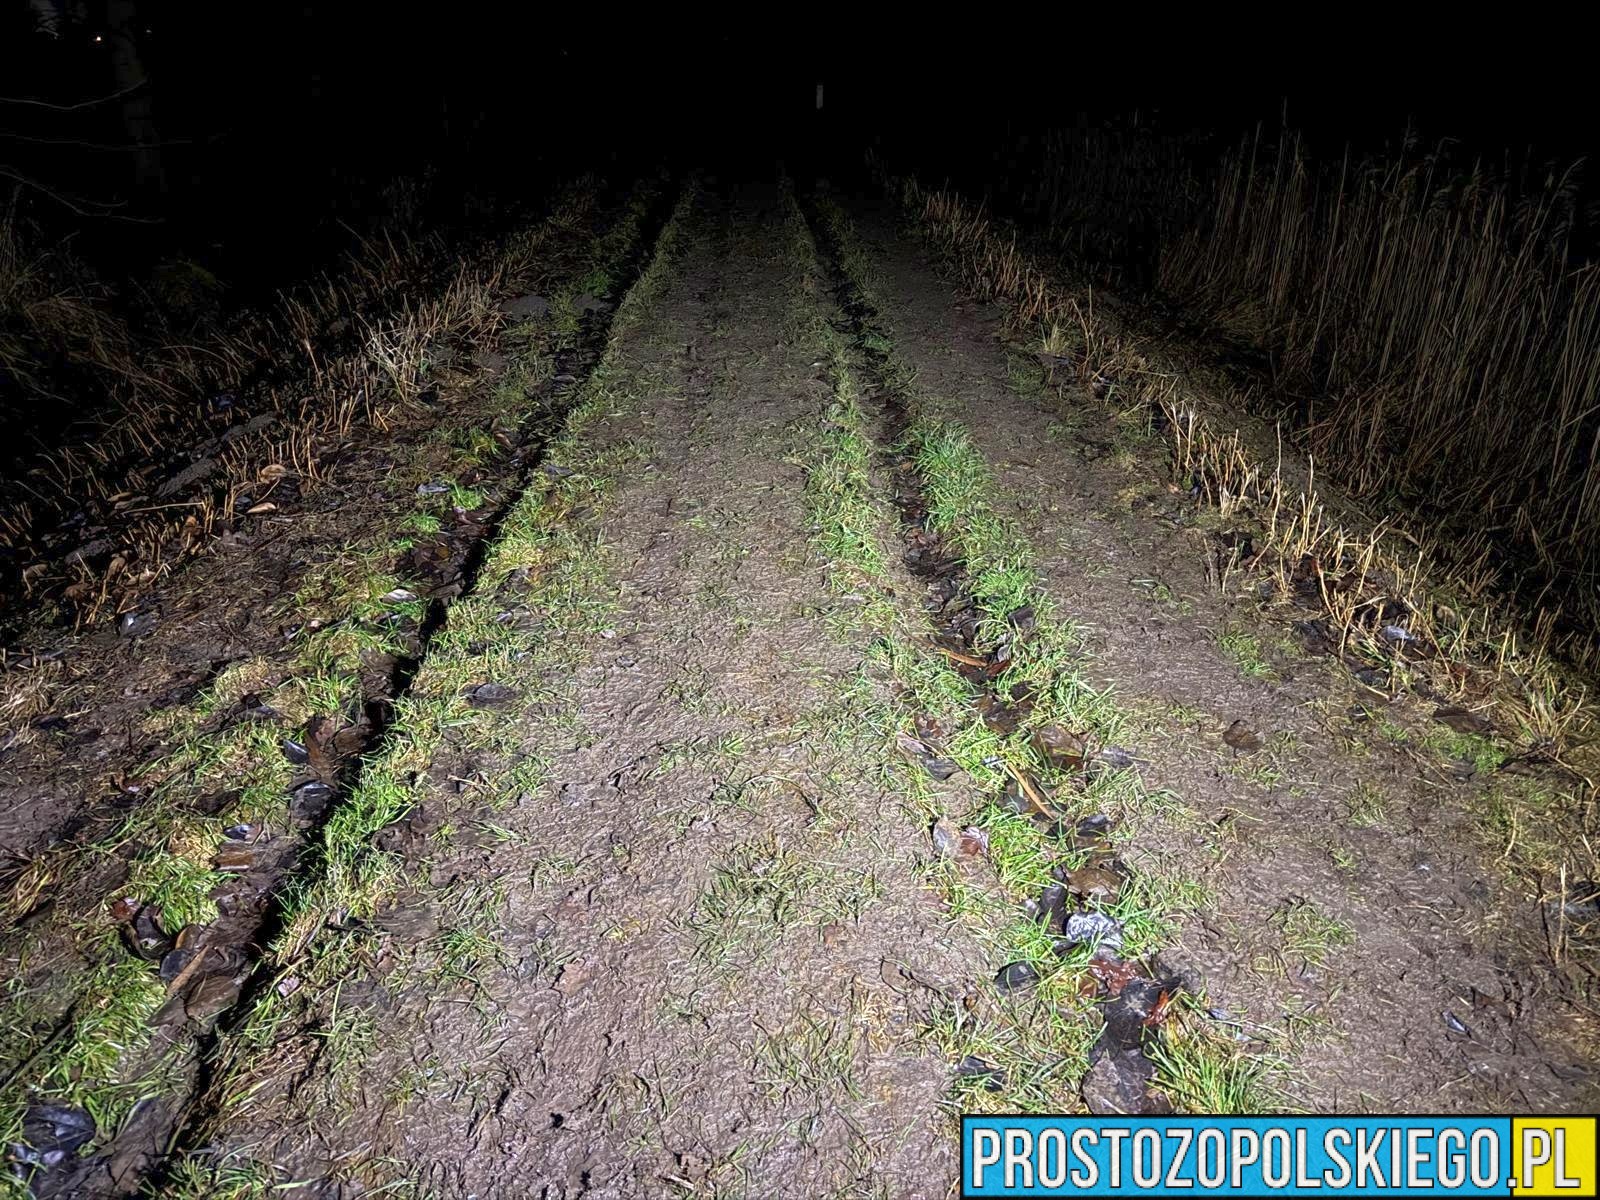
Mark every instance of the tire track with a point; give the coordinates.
(229, 970)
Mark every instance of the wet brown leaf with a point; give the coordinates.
(1061, 748)
(234, 858)
(1094, 883)
(144, 935)
(910, 746)
(1112, 974)
(210, 996)
(997, 714)
(959, 844)
(1025, 796)
(975, 1068)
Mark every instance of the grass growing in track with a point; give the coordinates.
(98, 1060)
(475, 647)
(1039, 1041)
(543, 564)
(1507, 656)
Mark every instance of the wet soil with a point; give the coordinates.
(66, 856)
(1130, 996)
(661, 920)
(73, 702)
(1446, 997)
(716, 944)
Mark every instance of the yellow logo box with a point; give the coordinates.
(1553, 1156)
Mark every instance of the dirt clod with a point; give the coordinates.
(1242, 737)
(1016, 977)
(1118, 1083)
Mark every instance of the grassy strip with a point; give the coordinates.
(534, 541)
(1368, 579)
(1039, 1044)
(1543, 700)
(97, 1062)
(544, 566)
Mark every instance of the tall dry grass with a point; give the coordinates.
(268, 393)
(53, 315)
(1111, 194)
(1357, 573)
(1433, 314)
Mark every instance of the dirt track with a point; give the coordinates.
(665, 918)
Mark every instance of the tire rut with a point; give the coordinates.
(1350, 898)
(699, 910)
(1132, 996)
(225, 965)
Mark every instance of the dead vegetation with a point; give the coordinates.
(194, 439)
(249, 771)
(1406, 615)
(51, 313)
(1369, 579)
(1420, 317)
(1435, 312)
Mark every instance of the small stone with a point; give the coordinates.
(135, 624)
(491, 695)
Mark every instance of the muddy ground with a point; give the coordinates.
(669, 905)
(1438, 992)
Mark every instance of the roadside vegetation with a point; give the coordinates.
(188, 436)
(262, 779)
(1383, 602)
(1419, 313)
(690, 627)
(1054, 806)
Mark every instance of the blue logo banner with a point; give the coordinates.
(1237, 1156)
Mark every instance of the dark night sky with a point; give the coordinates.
(293, 115)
